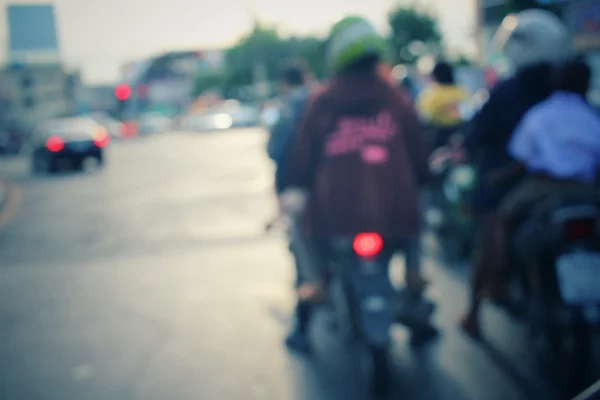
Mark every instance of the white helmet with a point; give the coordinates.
(533, 37)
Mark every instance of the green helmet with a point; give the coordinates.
(351, 39)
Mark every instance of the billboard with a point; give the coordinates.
(31, 30)
(584, 18)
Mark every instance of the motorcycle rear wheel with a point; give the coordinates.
(375, 368)
(565, 353)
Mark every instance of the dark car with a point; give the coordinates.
(68, 142)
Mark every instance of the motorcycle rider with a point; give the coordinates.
(438, 104)
(360, 157)
(295, 92)
(558, 145)
(534, 41)
(557, 142)
(296, 88)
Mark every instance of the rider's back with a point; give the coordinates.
(362, 154)
(565, 133)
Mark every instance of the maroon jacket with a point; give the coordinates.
(362, 154)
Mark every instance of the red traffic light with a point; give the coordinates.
(123, 92)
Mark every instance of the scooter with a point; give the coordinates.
(363, 301)
(557, 287)
(451, 216)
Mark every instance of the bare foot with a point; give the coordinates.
(311, 292)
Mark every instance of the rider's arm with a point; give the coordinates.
(306, 148)
(280, 134)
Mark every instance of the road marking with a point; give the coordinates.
(9, 210)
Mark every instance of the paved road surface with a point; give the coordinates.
(153, 279)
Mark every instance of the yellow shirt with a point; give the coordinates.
(439, 104)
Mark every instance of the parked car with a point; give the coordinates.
(245, 115)
(211, 120)
(154, 122)
(70, 142)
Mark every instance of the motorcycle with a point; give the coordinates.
(363, 306)
(558, 249)
(363, 301)
(451, 216)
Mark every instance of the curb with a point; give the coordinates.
(4, 194)
(10, 197)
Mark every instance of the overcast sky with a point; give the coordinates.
(100, 35)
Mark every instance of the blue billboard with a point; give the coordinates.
(584, 19)
(32, 28)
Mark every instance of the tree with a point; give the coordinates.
(206, 82)
(261, 49)
(258, 55)
(312, 51)
(410, 28)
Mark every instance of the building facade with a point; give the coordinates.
(37, 92)
(34, 85)
(165, 83)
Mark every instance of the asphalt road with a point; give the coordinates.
(154, 279)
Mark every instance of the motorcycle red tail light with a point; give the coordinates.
(367, 244)
(580, 228)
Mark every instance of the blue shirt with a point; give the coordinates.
(559, 137)
(290, 116)
(282, 134)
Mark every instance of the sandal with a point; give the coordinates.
(311, 292)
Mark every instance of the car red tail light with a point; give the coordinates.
(367, 244)
(55, 144)
(580, 228)
(101, 139)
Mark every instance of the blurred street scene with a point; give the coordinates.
(142, 250)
